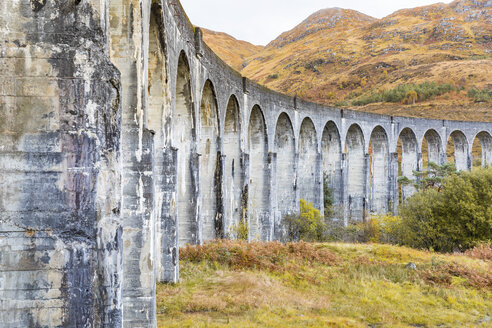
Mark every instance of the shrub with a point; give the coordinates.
(478, 95)
(432, 177)
(307, 225)
(240, 231)
(406, 92)
(457, 216)
(328, 199)
(273, 76)
(341, 103)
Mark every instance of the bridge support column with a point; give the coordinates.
(345, 199)
(365, 213)
(319, 184)
(169, 252)
(394, 193)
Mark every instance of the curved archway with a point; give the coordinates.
(356, 175)
(285, 149)
(209, 153)
(233, 165)
(308, 170)
(431, 148)
(258, 192)
(183, 138)
(331, 150)
(408, 153)
(379, 170)
(458, 149)
(483, 141)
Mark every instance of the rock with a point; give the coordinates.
(411, 266)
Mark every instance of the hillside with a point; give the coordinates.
(236, 284)
(233, 51)
(345, 58)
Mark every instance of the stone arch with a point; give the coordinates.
(408, 159)
(308, 163)
(233, 164)
(379, 170)
(461, 149)
(431, 148)
(208, 149)
(485, 142)
(258, 191)
(356, 173)
(157, 72)
(331, 150)
(285, 149)
(184, 140)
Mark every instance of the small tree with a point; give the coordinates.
(307, 225)
(432, 177)
(411, 97)
(457, 215)
(328, 198)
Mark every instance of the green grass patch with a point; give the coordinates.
(235, 284)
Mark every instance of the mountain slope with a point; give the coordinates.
(233, 51)
(337, 56)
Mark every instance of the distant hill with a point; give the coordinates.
(345, 58)
(231, 50)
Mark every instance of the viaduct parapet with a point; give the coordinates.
(124, 137)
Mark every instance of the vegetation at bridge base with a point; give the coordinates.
(239, 284)
(456, 215)
(307, 225)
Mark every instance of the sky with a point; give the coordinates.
(261, 21)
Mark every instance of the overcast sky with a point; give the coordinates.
(261, 21)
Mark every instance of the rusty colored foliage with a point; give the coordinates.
(272, 256)
(443, 274)
(481, 252)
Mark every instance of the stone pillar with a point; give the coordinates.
(129, 53)
(366, 196)
(394, 193)
(344, 189)
(276, 211)
(60, 228)
(169, 251)
(320, 183)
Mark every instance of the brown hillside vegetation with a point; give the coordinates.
(239, 284)
(233, 51)
(345, 58)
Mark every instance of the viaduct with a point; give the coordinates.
(124, 137)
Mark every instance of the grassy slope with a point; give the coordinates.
(230, 284)
(338, 54)
(226, 46)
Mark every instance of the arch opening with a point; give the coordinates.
(308, 162)
(356, 175)
(431, 148)
(457, 151)
(258, 196)
(183, 139)
(233, 165)
(408, 161)
(379, 171)
(331, 151)
(482, 150)
(209, 153)
(157, 72)
(285, 149)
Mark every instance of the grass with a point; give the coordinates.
(235, 284)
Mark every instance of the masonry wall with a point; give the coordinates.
(60, 227)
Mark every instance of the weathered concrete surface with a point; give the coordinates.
(60, 229)
(103, 177)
